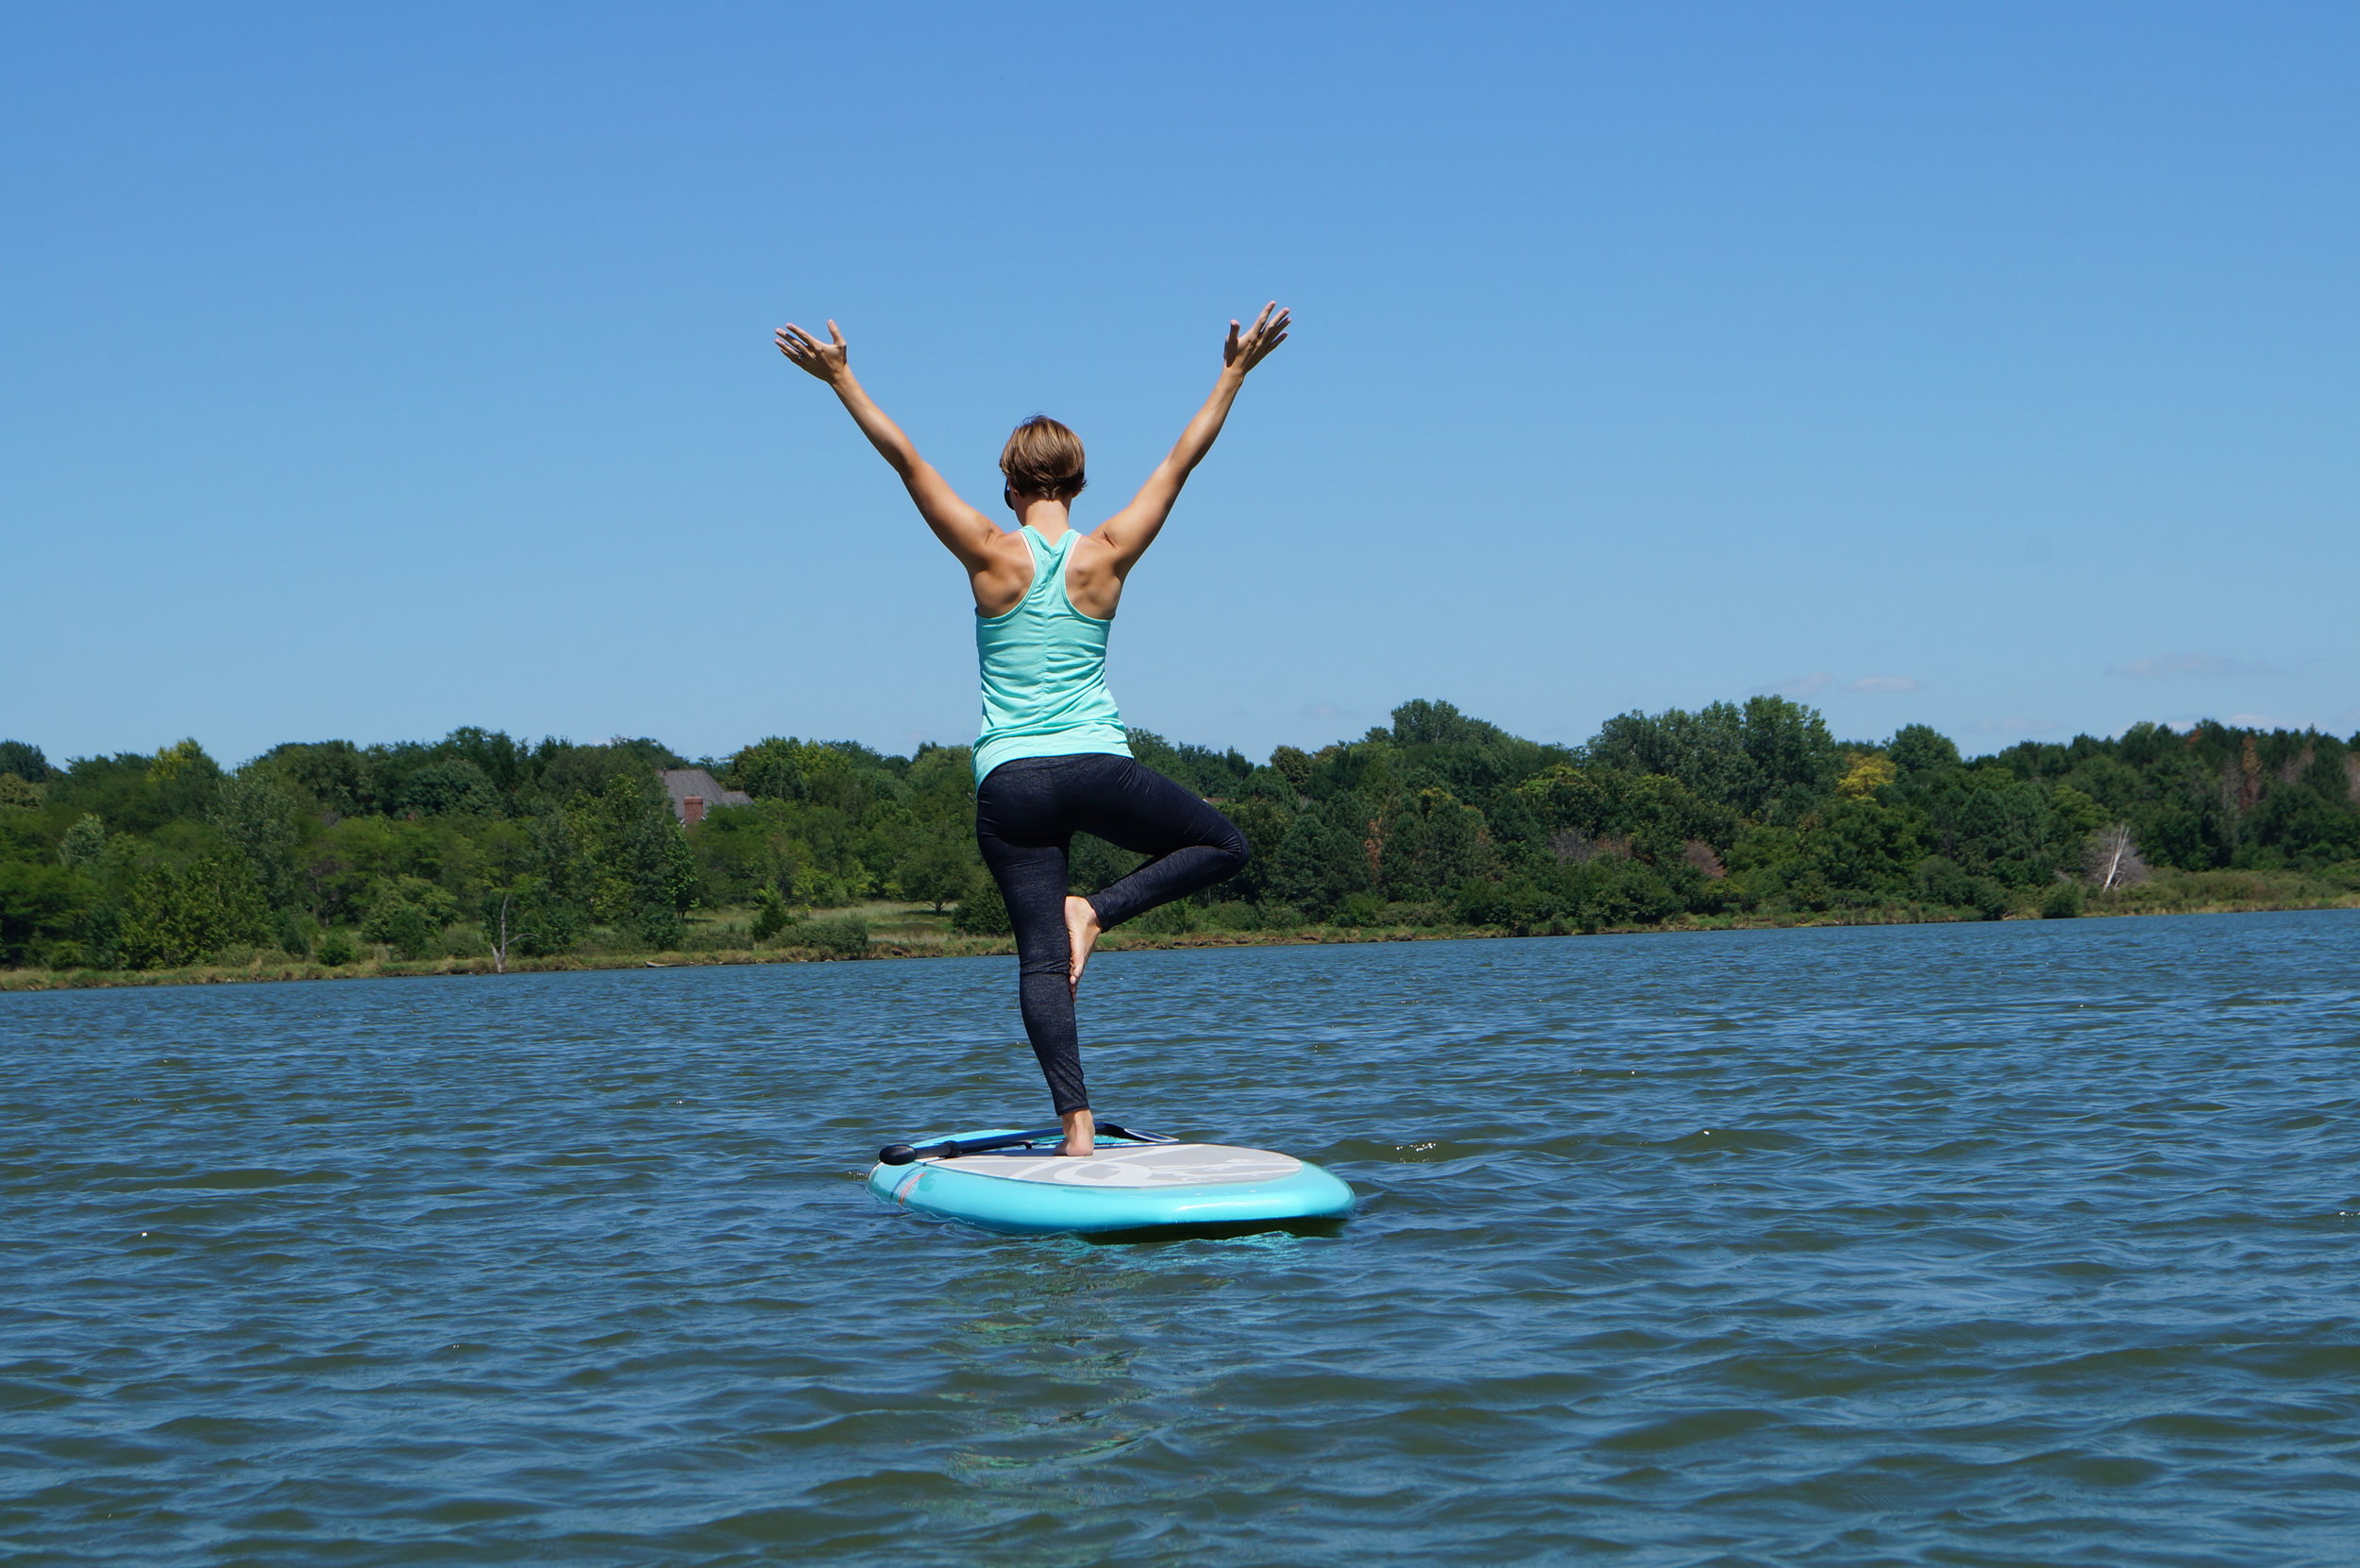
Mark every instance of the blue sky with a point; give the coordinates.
(374, 370)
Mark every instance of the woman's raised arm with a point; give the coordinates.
(1130, 530)
(964, 531)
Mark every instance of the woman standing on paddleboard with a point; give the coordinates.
(1054, 759)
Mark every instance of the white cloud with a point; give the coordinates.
(2253, 721)
(2015, 726)
(1798, 685)
(2203, 666)
(1886, 683)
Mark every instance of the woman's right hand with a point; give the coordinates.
(1246, 349)
(830, 360)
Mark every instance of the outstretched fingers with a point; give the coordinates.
(809, 353)
(1254, 344)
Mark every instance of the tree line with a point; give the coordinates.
(479, 842)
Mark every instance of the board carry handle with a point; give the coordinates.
(952, 1148)
(1113, 1130)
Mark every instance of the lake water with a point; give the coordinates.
(2029, 1243)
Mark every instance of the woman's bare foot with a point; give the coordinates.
(1081, 1133)
(1081, 934)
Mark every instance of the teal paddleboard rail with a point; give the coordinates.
(1125, 1186)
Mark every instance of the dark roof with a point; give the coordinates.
(681, 782)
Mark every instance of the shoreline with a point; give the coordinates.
(260, 970)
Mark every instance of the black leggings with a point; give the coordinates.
(1026, 813)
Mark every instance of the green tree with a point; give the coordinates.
(1432, 845)
(937, 870)
(84, 842)
(741, 851)
(26, 760)
(174, 915)
(1863, 847)
(258, 821)
(1325, 858)
(409, 915)
(42, 907)
(1919, 749)
(1994, 824)
(335, 776)
(769, 769)
(982, 911)
(628, 864)
(1942, 881)
(770, 915)
(546, 923)
(451, 786)
(1216, 775)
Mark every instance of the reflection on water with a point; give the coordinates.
(2024, 1243)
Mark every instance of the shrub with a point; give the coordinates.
(1625, 893)
(409, 931)
(721, 937)
(1169, 920)
(1942, 881)
(823, 889)
(770, 915)
(297, 930)
(1482, 902)
(335, 948)
(2063, 902)
(660, 926)
(842, 938)
(983, 912)
(408, 915)
(546, 927)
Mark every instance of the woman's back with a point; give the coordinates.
(1044, 670)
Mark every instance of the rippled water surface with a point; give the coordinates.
(2024, 1243)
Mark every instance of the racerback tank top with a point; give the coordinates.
(1044, 668)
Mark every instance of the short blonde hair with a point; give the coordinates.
(1043, 458)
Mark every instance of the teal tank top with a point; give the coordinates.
(1044, 667)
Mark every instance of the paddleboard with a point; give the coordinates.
(1128, 1184)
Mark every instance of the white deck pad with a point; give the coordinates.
(1155, 1165)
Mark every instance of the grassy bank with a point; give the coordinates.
(900, 930)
